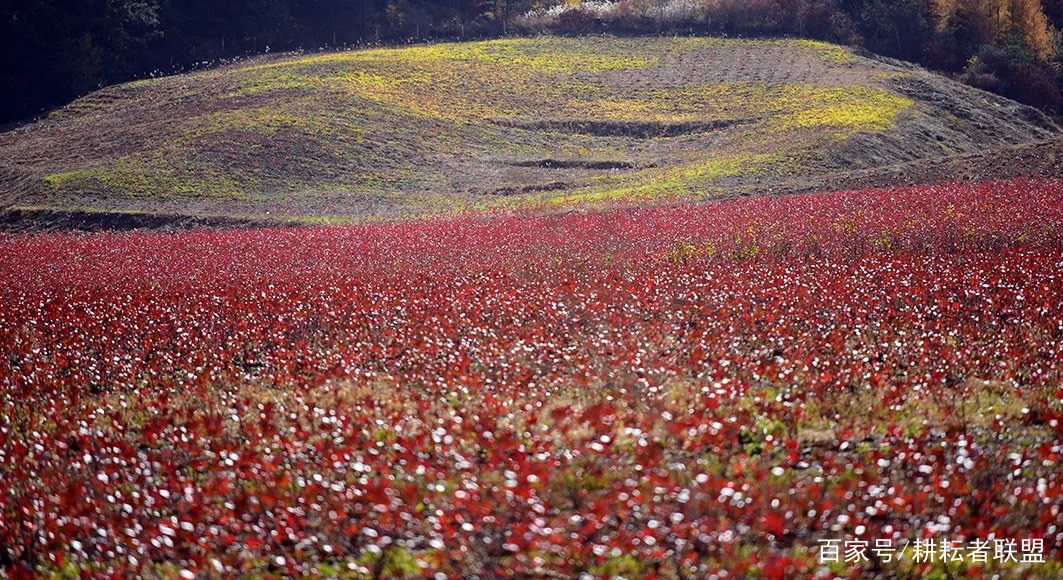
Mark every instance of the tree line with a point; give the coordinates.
(52, 51)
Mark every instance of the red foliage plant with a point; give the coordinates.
(670, 390)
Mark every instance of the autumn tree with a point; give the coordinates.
(981, 22)
(1028, 21)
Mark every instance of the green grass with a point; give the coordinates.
(827, 51)
(689, 179)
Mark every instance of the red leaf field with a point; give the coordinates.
(851, 384)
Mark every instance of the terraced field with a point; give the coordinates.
(516, 122)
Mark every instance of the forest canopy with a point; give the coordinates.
(56, 50)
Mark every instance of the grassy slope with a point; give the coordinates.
(550, 121)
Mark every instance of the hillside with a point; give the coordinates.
(547, 121)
